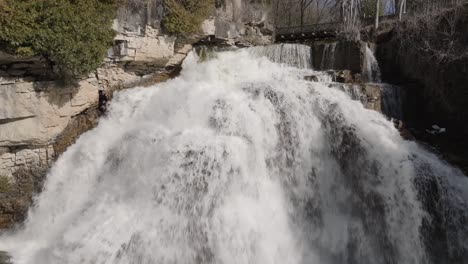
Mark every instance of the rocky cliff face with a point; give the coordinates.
(243, 22)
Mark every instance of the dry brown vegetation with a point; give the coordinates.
(437, 29)
(422, 16)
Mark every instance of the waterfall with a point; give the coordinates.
(296, 55)
(240, 160)
(371, 67)
(328, 56)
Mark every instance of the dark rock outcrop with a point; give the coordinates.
(435, 88)
(342, 55)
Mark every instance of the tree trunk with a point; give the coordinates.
(396, 6)
(377, 11)
(302, 17)
(402, 6)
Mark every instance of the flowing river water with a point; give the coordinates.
(241, 160)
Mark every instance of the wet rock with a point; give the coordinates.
(373, 96)
(311, 78)
(77, 126)
(15, 200)
(342, 55)
(404, 131)
(16, 73)
(4, 258)
(344, 76)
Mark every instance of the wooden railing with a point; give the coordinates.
(321, 30)
(308, 28)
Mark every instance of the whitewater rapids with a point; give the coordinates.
(237, 160)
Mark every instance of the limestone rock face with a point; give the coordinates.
(245, 22)
(370, 95)
(25, 170)
(133, 18)
(33, 113)
(27, 178)
(150, 47)
(380, 97)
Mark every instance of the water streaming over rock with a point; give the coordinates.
(296, 55)
(328, 56)
(371, 67)
(240, 160)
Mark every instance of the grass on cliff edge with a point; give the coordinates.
(72, 34)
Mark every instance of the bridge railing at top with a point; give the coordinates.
(371, 20)
(332, 26)
(335, 26)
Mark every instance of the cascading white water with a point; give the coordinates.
(238, 160)
(296, 55)
(371, 70)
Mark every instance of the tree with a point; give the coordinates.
(73, 35)
(377, 13)
(350, 14)
(186, 16)
(304, 4)
(301, 12)
(401, 8)
(369, 8)
(322, 8)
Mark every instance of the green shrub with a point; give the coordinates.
(72, 34)
(186, 16)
